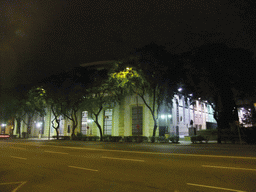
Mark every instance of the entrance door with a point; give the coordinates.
(137, 119)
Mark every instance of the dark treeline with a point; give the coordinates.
(214, 72)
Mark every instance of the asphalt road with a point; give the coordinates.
(96, 166)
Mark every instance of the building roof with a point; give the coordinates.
(97, 64)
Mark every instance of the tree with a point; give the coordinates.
(213, 71)
(21, 103)
(151, 72)
(71, 101)
(54, 102)
(66, 93)
(101, 94)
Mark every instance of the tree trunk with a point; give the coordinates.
(74, 122)
(218, 133)
(217, 118)
(57, 133)
(98, 125)
(73, 132)
(154, 130)
(18, 125)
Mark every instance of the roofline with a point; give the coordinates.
(96, 63)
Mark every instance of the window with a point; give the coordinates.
(68, 128)
(41, 126)
(199, 106)
(107, 130)
(84, 123)
(137, 119)
(208, 108)
(61, 127)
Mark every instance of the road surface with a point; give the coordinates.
(96, 166)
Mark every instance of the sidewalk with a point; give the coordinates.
(182, 141)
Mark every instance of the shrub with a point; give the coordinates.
(174, 139)
(161, 139)
(196, 138)
(128, 138)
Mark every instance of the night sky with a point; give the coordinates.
(39, 38)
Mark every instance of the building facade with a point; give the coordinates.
(130, 117)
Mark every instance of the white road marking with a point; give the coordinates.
(157, 153)
(144, 152)
(18, 148)
(11, 183)
(83, 168)
(56, 152)
(212, 187)
(122, 159)
(19, 158)
(22, 183)
(220, 167)
(28, 143)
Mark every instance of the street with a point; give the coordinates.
(98, 166)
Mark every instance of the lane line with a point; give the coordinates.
(212, 187)
(18, 148)
(83, 168)
(123, 159)
(10, 183)
(154, 153)
(158, 153)
(56, 152)
(220, 167)
(19, 158)
(22, 183)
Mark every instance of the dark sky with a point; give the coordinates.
(38, 38)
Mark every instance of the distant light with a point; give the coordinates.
(180, 89)
(90, 120)
(169, 116)
(127, 68)
(3, 125)
(199, 98)
(190, 94)
(162, 116)
(39, 124)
